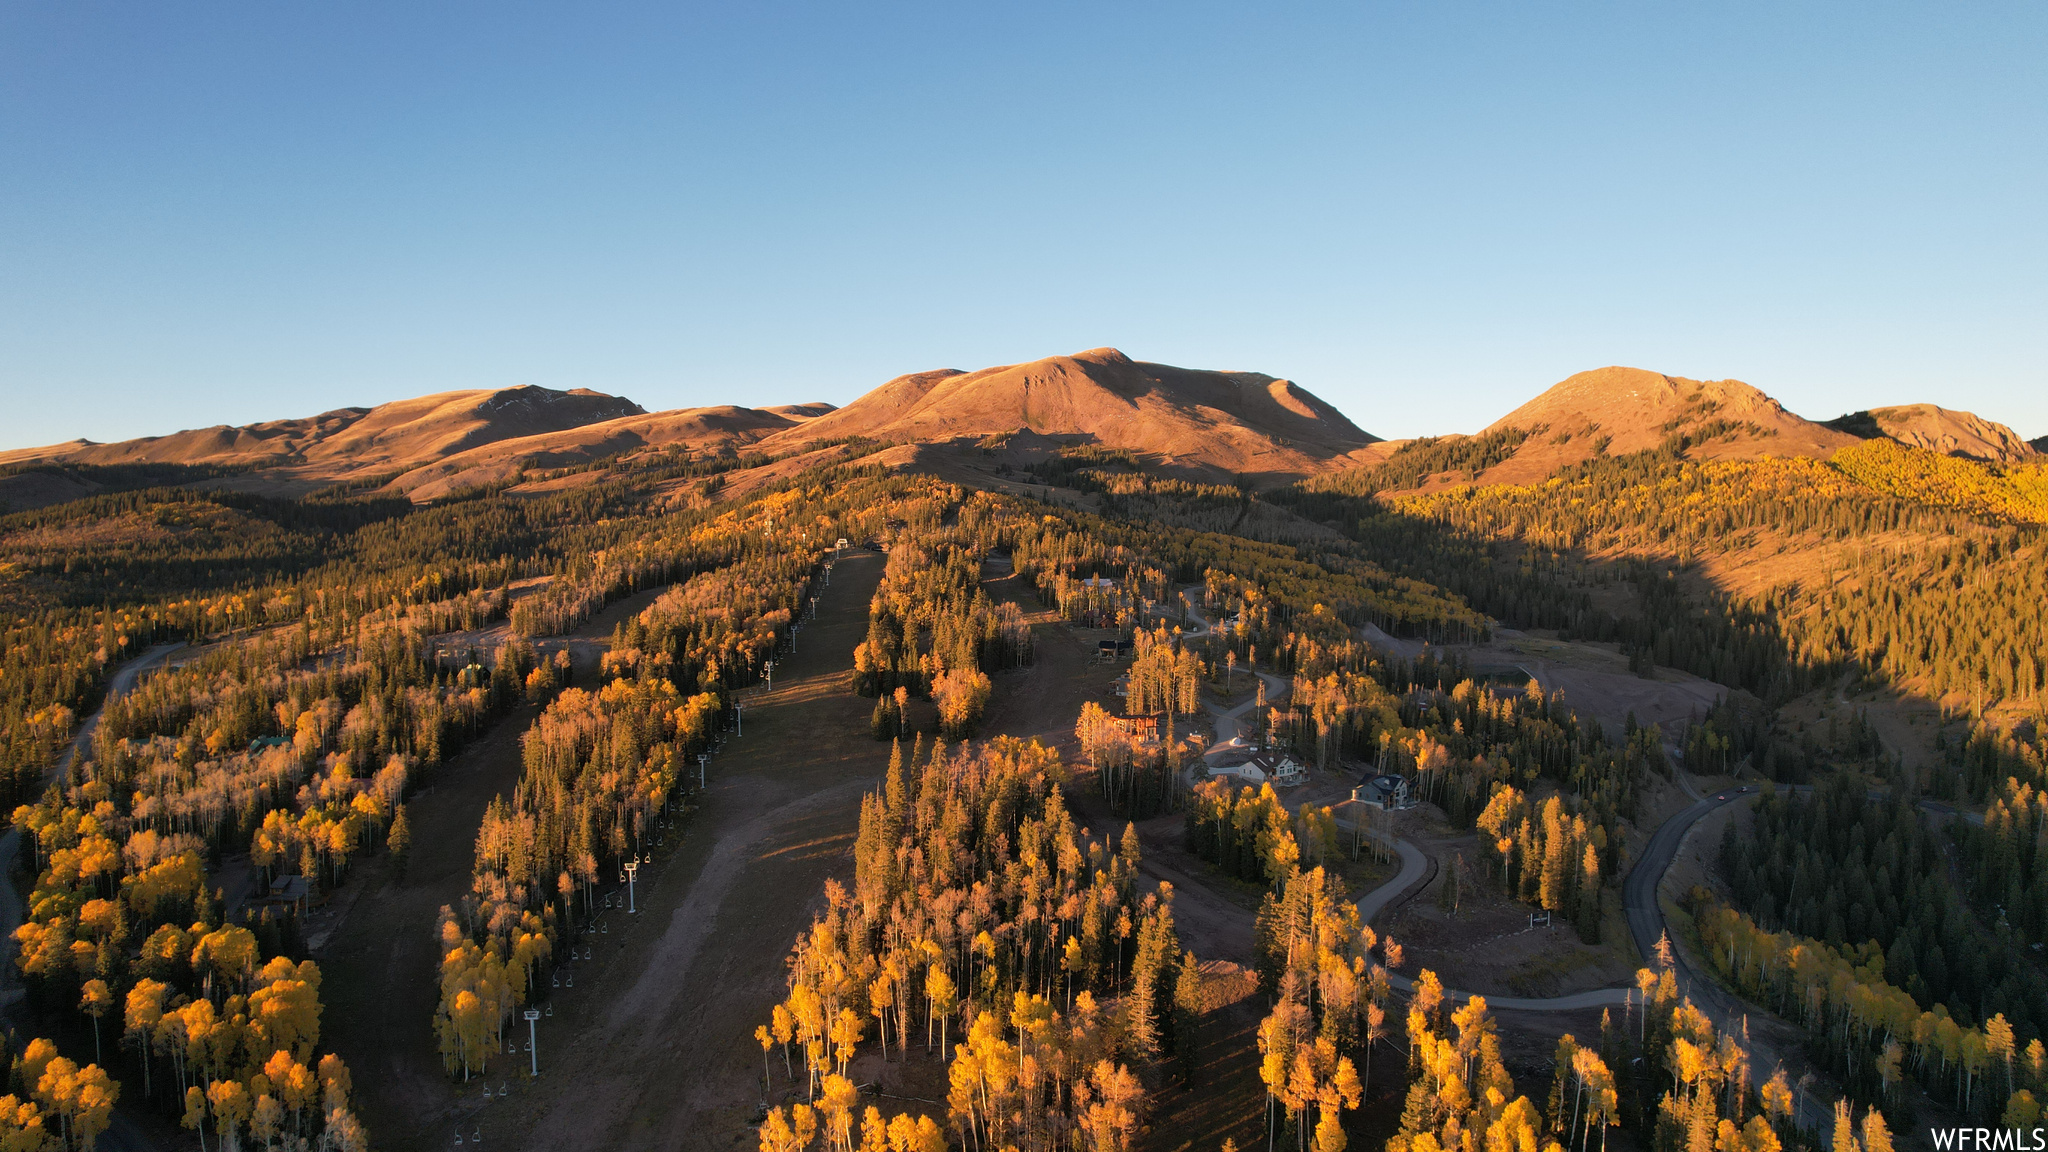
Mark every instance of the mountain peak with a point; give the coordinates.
(1617, 410)
(1938, 429)
(1217, 423)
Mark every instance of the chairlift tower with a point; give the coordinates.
(632, 870)
(533, 1038)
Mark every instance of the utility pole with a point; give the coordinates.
(632, 869)
(532, 1039)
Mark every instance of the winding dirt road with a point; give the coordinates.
(127, 1133)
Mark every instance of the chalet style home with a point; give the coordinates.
(1386, 790)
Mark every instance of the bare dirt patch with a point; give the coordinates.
(779, 817)
(1488, 945)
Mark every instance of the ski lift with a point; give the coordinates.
(550, 1008)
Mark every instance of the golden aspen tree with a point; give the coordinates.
(95, 1000)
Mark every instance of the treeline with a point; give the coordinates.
(1845, 869)
(933, 630)
(1454, 737)
(1248, 833)
(261, 746)
(979, 910)
(669, 551)
(1678, 1083)
(1329, 1007)
(1057, 548)
(603, 766)
(221, 1025)
(1959, 610)
(1137, 764)
(1550, 857)
(714, 632)
(54, 665)
(2007, 859)
(1869, 1033)
(55, 1103)
(2018, 492)
(1990, 757)
(424, 571)
(1419, 461)
(600, 768)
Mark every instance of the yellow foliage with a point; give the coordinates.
(2019, 493)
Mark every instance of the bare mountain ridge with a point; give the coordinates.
(1938, 429)
(1212, 424)
(713, 429)
(1616, 411)
(1220, 423)
(1209, 424)
(398, 434)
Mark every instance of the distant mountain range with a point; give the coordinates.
(1218, 426)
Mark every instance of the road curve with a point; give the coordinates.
(1414, 865)
(1639, 902)
(122, 1135)
(118, 685)
(1646, 925)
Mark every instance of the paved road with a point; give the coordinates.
(11, 911)
(123, 1135)
(1646, 925)
(1227, 719)
(1639, 903)
(1414, 867)
(118, 685)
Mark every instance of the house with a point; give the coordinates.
(287, 896)
(1113, 649)
(1244, 772)
(1099, 584)
(1139, 727)
(1386, 790)
(1283, 769)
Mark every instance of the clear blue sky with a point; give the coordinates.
(227, 212)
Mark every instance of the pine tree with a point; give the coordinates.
(399, 839)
